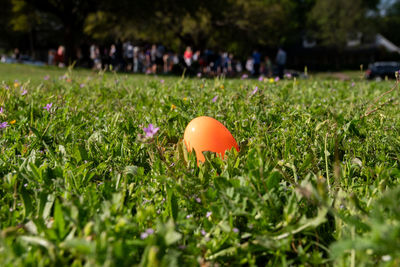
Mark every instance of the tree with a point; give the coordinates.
(335, 21)
(233, 25)
(389, 23)
(69, 14)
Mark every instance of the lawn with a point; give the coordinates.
(316, 180)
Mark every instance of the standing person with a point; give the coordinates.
(187, 56)
(92, 52)
(59, 58)
(250, 65)
(256, 63)
(17, 55)
(113, 56)
(136, 63)
(97, 58)
(159, 57)
(281, 61)
(128, 56)
(166, 60)
(50, 57)
(105, 58)
(148, 61)
(268, 67)
(153, 58)
(230, 64)
(119, 56)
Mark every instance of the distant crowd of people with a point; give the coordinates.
(157, 59)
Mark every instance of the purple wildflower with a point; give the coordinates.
(198, 200)
(189, 216)
(353, 84)
(203, 232)
(254, 91)
(199, 74)
(288, 75)
(208, 214)
(144, 235)
(245, 76)
(150, 130)
(235, 230)
(24, 92)
(149, 231)
(48, 107)
(1, 110)
(276, 79)
(82, 85)
(3, 125)
(47, 77)
(214, 99)
(161, 81)
(261, 78)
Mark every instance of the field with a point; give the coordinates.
(316, 181)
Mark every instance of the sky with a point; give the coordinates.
(384, 5)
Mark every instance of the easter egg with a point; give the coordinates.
(208, 134)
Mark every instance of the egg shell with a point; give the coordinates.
(207, 134)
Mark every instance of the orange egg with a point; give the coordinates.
(208, 134)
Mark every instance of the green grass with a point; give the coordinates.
(315, 181)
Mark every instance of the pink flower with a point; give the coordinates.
(46, 77)
(150, 130)
(150, 231)
(254, 91)
(24, 92)
(144, 235)
(199, 74)
(276, 79)
(3, 125)
(208, 214)
(48, 107)
(245, 76)
(1, 110)
(261, 78)
(161, 81)
(215, 99)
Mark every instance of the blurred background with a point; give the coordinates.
(202, 36)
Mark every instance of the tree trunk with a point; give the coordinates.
(31, 43)
(69, 42)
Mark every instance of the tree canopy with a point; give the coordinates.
(234, 25)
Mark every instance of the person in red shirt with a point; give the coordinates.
(187, 56)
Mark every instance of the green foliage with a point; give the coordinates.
(313, 183)
(337, 20)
